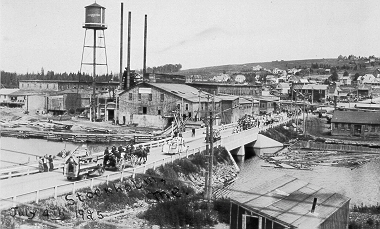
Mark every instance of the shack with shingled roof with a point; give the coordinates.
(356, 123)
(287, 202)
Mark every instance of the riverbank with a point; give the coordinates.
(132, 202)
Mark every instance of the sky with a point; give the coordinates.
(195, 33)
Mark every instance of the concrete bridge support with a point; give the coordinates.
(238, 154)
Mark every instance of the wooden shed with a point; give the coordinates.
(288, 202)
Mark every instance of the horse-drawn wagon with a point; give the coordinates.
(77, 166)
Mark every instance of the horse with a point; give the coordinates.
(142, 154)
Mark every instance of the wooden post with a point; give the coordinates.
(55, 192)
(74, 187)
(154, 165)
(144, 168)
(14, 201)
(37, 196)
(107, 179)
(121, 175)
(92, 183)
(134, 173)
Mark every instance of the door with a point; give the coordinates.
(250, 222)
(357, 130)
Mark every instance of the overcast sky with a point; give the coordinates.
(195, 33)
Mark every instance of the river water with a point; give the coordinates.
(28, 149)
(362, 184)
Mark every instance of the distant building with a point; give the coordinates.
(240, 78)
(287, 202)
(356, 123)
(257, 68)
(283, 88)
(166, 78)
(234, 107)
(230, 89)
(316, 92)
(60, 85)
(6, 98)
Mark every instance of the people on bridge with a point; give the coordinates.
(44, 162)
(51, 165)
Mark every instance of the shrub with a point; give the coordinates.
(199, 160)
(222, 206)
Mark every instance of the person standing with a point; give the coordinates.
(44, 162)
(40, 164)
(193, 132)
(51, 165)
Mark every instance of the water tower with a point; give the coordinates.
(95, 21)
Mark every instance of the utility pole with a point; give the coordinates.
(207, 148)
(211, 155)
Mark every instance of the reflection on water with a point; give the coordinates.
(31, 148)
(362, 184)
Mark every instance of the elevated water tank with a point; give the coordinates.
(95, 17)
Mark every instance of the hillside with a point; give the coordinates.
(282, 64)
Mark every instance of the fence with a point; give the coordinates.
(72, 187)
(335, 147)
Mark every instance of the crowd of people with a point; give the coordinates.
(45, 163)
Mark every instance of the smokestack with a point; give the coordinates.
(121, 44)
(314, 204)
(129, 49)
(145, 36)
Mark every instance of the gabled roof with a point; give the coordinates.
(7, 91)
(263, 142)
(244, 101)
(288, 200)
(181, 90)
(356, 117)
(26, 92)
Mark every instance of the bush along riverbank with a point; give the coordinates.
(169, 196)
(363, 217)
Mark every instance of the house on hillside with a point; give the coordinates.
(283, 88)
(240, 78)
(356, 123)
(156, 104)
(257, 68)
(221, 78)
(366, 79)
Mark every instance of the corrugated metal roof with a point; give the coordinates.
(7, 91)
(288, 200)
(26, 92)
(184, 91)
(356, 117)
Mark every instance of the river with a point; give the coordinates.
(362, 184)
(28, 149)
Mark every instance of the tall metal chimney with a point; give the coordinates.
(145, 36)
(129, 49)
(314, 204)
(121, 43)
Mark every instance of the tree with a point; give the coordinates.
(334, 76)
(346, 73)
(356, 76)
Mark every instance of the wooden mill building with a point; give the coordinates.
(156, 104)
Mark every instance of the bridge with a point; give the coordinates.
(36, 186)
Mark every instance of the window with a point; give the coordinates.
(179, 106)
(336, 125)
(186, 106)
(144, 110)
(139, 96)
(130, 96)
(372, 128)
(162, 97)
(159, 112)
(150, 98)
